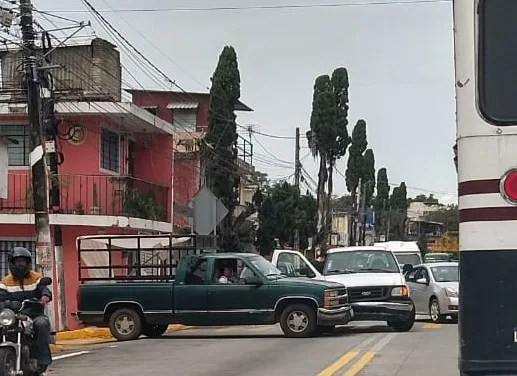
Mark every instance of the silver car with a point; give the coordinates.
(434, 289)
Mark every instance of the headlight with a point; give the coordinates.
(7, 317)
(331, 293)
(451, 293)
(401, 291)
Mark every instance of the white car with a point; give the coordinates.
(435, 289)
(376, 287)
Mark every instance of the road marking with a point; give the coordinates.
(338, 364)
(369, 355)
(227, 329)
(262, 328)
(347, 357)
(64, 356)
(432, 326)
(360, 364)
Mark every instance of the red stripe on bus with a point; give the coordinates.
(505, 213)
(476, 187)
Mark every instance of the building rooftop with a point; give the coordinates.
(182, 97)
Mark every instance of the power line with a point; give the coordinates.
(255, 7)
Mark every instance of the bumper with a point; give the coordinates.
(330, 317)
(383, 311)
(449, 306)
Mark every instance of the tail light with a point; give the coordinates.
(508, 186)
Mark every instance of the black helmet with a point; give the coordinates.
(16, 271)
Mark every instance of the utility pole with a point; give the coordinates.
(297, 168)
(37, 156)
(358, 211)
(363, 215)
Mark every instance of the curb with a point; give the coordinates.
(101, 333)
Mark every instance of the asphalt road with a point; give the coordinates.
(366, 349)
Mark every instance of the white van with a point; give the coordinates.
(405, 252)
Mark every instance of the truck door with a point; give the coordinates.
(302, 266)
(231, 302)
(191, 292)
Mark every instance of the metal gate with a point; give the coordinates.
(6, 247)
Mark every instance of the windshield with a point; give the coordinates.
(363, 261)
(408, 258)
(265, 267)
(437, 257)
(449, 273)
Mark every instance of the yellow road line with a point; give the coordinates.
(334, 367)
(360, 364)
(227, 329)
(432, 326)
(262, 328)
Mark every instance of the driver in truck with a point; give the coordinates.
(23, 283)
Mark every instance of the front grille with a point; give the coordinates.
(360, 294)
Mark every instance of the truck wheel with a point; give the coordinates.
(404, 326)
(154, 331)
(125, 324)
(298, 321)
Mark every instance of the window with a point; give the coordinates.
(497, 55)
(411, 276)
(228, 271)
(17, 154)
(184, 120)
(152, 109)
(110, 150)
(364, 261)
(196, 271)
(289, 262)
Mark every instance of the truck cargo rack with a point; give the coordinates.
(129, 258)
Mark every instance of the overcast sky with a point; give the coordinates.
(399, 58)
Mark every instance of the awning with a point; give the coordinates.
(131, 242)
(182, 105)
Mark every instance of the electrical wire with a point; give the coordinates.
(255, 7)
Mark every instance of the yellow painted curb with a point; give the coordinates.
(101, 333)
(56, 348)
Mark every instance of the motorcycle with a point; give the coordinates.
(18, 347)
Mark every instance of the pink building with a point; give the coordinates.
(116, 177)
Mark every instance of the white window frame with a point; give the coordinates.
(101, 168)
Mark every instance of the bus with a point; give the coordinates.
(485, 44)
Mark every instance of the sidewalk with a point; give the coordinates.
(73, 339)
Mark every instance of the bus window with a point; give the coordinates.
(498, 61)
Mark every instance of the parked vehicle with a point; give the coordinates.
(438, 257)
(376, 286)
(405, 252)
(18, 348)
(435, 289)
(191, 293)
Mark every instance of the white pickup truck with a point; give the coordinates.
(376, 285)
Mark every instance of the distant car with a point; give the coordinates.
(434, 289)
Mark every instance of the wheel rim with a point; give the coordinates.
(297, 321)
(435, 311)
(125, 324)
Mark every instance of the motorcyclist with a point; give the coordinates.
(23, 283)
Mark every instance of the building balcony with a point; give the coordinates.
(104, 195)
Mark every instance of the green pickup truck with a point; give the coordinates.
(213, 290)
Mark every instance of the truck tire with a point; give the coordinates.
(404, 326)
(125, 324)
(299, 321)
(154, 331)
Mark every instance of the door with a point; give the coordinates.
(191, 297)
(287, 260)
(231, 301)
(418, 289)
